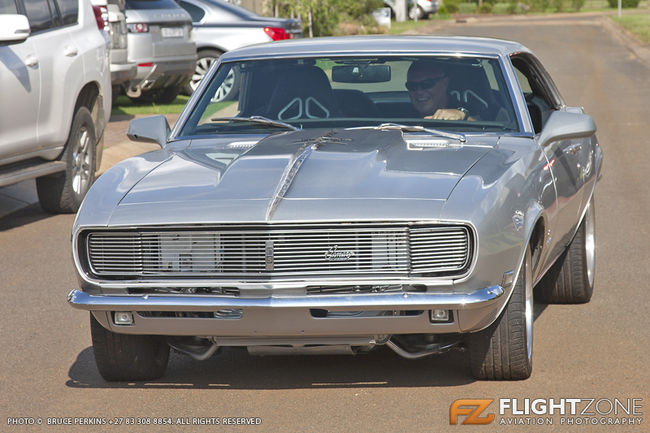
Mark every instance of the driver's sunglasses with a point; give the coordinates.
(412, 86)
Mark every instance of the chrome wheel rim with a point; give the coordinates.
(226, 87)
(528, 293)
(201, 68)
(81, 162)
(590, 243)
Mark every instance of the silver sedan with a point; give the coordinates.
(413, 192)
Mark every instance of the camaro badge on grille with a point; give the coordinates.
(268, 255)
(334, 255)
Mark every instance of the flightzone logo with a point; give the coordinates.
(548, 411)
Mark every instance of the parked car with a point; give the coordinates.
(220, 27)
(160, 42)
(114, 29)
(123, 71)
(324, 210)
(418, 9)
(55, 85)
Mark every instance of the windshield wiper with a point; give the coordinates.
(258, 119)
(414, 128)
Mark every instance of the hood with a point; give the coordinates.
(296, 170)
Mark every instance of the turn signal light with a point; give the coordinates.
(123, 318)
(101, 16)
(440, 315)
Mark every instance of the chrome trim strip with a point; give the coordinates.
(402, 301)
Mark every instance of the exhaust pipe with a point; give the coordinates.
(429, 349)
(198, 349)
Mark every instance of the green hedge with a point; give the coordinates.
(625, 3)
(451, 8)
(486, 8)
(467, 8)
(501, 8)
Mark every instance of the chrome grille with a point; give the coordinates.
(281, 251)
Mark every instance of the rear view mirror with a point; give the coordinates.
(361, 73)
(13, 28)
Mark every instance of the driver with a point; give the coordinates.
(427, 84)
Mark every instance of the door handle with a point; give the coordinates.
(31, 60)
(70, 51)
(573, 149)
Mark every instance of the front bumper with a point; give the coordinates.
(313, 315)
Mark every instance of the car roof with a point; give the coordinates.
(385, 45)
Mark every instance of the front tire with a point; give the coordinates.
(571, 279)
(63, 192)
(125, 357)
(504, 350)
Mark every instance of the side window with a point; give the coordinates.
(195, 12)
(540, 99)
(39, 14)
(8, 7)
(523, 82)
(69, 10)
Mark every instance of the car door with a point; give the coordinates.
(59, 59)
(567, 159)
(20, 83)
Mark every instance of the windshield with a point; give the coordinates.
(452, 94)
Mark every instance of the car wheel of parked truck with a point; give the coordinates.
(124, 357)
(504, 350)
(63, 192)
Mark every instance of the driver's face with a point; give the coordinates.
(428, 89)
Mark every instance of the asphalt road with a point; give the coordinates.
(598, 350)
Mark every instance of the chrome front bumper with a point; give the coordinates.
(294, 316)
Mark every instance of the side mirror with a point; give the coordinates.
(563, 125)
(13, 28)
(153, 129)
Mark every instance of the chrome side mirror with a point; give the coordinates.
(152, 129)
(564, 125)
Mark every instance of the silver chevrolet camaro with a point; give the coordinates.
(412, 192)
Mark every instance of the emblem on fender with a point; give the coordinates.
(518, 220)
(336, 255)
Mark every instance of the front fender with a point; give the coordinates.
(504, 196)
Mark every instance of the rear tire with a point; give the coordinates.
(203, 62)
(571, 279)
(125, 357)
(416, 12)
(63, 192)
(166, 95)
(228, 90)
(504, 350)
